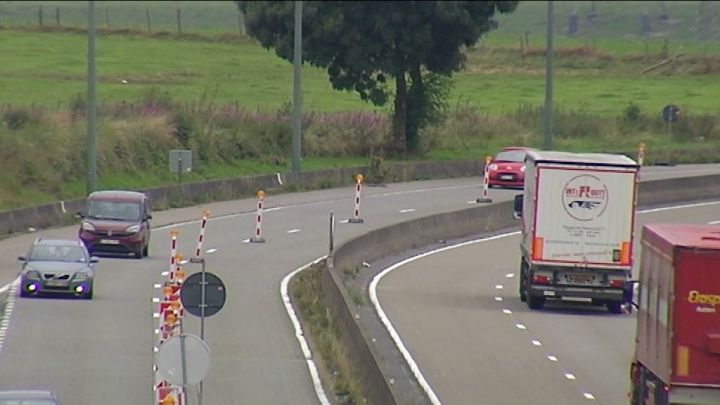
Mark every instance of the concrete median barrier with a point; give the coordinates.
(377, 369)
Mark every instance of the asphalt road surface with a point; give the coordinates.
(101, 351)
(459, 314)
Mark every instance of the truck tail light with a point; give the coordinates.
(541, 278)
(617, 283)
(537, 249)
(625, 253)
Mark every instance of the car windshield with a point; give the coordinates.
(58, 254)
(114, 210)
(511, 156)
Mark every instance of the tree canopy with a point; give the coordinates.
(364, 45)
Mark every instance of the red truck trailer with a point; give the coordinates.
(677, 343)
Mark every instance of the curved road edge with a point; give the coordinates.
(399, 239)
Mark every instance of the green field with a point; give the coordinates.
(495, 100)
(50, 68)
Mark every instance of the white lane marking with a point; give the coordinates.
(9, 307)
(407, 210)
(156, 315)
(472, 202)
(319, 391)
(293, 231)
(157, 286)
(499, 287)
(714, 222)
(588, 395)
(536, 343)
(552, 358)
(498, 299)
(155, 300)
(211, 251)
(246, 240)
(675, 207)
(344, 221)
(507, 311)
(569, 376)
(520, 326)
(510, 275)
(165, 273)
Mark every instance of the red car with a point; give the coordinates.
(507, 168)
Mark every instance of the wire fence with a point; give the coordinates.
(202, 17)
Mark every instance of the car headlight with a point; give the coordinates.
(33, 275)
(522, 169)
(493, 166)
(88, 226)
(133, 228)
(80, 276)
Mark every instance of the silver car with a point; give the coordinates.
(57, 266)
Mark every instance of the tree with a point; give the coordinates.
(365, 44)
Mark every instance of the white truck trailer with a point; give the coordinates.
(577, 212)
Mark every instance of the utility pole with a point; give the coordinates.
(297, 91)
(91, 129)
(548, 121)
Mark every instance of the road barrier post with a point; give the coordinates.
(486, 182)
(358, 190)
(173, 253)
(198, 251)
(257, 238)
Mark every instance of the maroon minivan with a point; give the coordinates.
(116, 222)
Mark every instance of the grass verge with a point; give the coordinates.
(324, 336)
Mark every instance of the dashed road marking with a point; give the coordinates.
(552, 358)
(498, 299)
(520, 326)
(507, 311)
(499, 287)
(536, 343)
(407, 210)
(211, 251)
(293, 231)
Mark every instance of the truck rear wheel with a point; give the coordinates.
(614, 307)
(535, 302)
(523, 280)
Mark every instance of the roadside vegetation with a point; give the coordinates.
(335, 370)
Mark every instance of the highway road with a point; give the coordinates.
(459, 315)
(100, 351)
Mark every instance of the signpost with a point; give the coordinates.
(202, 294)
(180, 161)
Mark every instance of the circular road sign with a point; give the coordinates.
(191, 294)
(196, 360)
(671, 113)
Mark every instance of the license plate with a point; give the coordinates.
(507, 177)
(56, 283)
(576, 278)
(109, 241)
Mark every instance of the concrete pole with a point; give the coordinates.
(91, 129)
(297, 92)
(548, 121)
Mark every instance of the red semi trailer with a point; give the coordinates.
(677, 343)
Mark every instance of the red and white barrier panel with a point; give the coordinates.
(257, 238)
(356, 219)
(169, 313)
(198, 251)
(486, 182)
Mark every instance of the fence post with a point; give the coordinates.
(40, 15)
(57, 16)
(241, 24)
(179, 22)
(147, 16)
